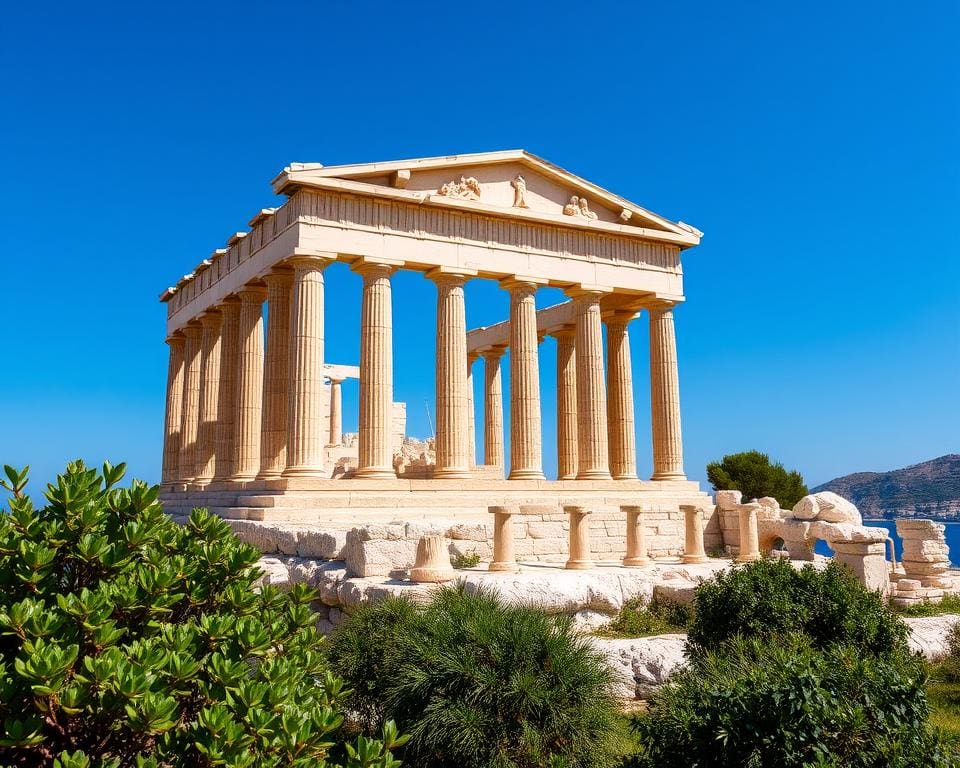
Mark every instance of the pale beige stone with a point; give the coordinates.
(249, 403)
(191, 403)
(227, 397)
(620, 419)
(526, 459)
(453, 456)
(636, 555)
(336, 412)
(376, 370)
(567, 440)
(493, 454)
(433, 561)
(665, 396)
(593, 454)
(828, 507)
(749, 533)
(471, 413)
(174, 409)
(693, 551)
(209, 396)
(504, 557)
(276, 367)
(581, 557)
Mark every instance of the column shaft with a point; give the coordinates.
(227, 397)
(336, 413)
(492, 409)
(567, 445)
(376, 373)
(620, 420)
(453, 455)
(174, 410)
(209, 397)
(471, 414)
(665, 397)
(276, 378)
(305, 438)
(526, 453)
(191, 403)
(594, 454)
(246, 447)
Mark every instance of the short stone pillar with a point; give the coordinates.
(636, 555)
(749, 533)
(580, 555)
(432, 565)
(693, 551)
(867, 560)
(504, 558)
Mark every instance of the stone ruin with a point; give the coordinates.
(925, 574)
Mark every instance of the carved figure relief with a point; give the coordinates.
(578, 206)
(519, 185)
(468, 188)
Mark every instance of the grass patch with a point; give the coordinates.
(638, 618)
(943, 695)
(949, 604)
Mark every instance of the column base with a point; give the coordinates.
(579, 565)
(630, 476)
(271, 475)
(636, 562)
(452, 474)
(568, 476)
(376, 473)
(242, 478)
(691, 559)
(526, 474)
(503, 567)
(593, 474)
(303, 472)
(668, 476)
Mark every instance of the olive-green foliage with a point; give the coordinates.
(752, 473)
(771, 598)
(639, 618)
(788, 704)
(468, 559)
(949, 604)
(128, 640)
(478, 683)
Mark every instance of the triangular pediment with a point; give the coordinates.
(513, 181)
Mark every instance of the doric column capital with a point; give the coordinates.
(660, 307)
(377, 267)
(317, 260)
(565, 331)
(278, 277)
(211, 319)
(252, 293)
(584, 290)
(522, 283)
(230, 305)
(493, 352)
(450, 275)
(193, 330)
(619, 316)
(176, 339)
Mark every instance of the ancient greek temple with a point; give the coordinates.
(254, 412)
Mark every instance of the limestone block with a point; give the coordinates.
(326, 544)
(367, 556)
(275, 571)
(269, 538)
(908, 585)
(728, 500)
(470, 532)
(919, 529)
(547, 530)
(925, 569)
(828, 507)
(676, 590)
(641, 665)
(928, 634)
(912, 547)
(587, 621)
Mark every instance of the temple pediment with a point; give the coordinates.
(510, 183)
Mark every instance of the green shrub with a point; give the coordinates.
(478, 683)
(949, 604)
(638, 618)
(753, 474)
(128, 640)
(771, 598)
(469, 559)
(785, 703)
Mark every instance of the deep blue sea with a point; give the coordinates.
(952, 533)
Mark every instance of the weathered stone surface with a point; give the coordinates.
(641, 665)
(274, 571)
(828, 507)
(728, 500)
(928, 634)
(389, 555)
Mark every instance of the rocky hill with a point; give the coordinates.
(930, 489)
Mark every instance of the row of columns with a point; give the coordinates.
(240, 410)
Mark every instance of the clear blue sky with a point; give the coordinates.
(816, 144)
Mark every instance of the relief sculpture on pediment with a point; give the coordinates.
(578, 206)
(519, 185)
(468, 188)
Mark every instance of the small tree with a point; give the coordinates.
(129, 640)
(753, 474)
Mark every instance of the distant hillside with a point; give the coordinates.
(930, 489)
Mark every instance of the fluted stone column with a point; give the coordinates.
(492, 407)
(336, 412)
(749, 533)
(665, 396)
(174, 410)
(276, 378)
(246, 447)
(526, 453)
(504, 559)
(620, 420)
(581, 558)
(567, 445)
(190, 418)
(471, 413)
(593, 455)
(227, 398)
(305, 438)
(693, 551)
(376, 372)
(209, 397)
(453, 454)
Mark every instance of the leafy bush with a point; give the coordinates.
(638, 618)
(771, 598)
(785, 703)
(469, 559)
(752, 473)
(949, 604)
(128, 640)
(478, 683)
